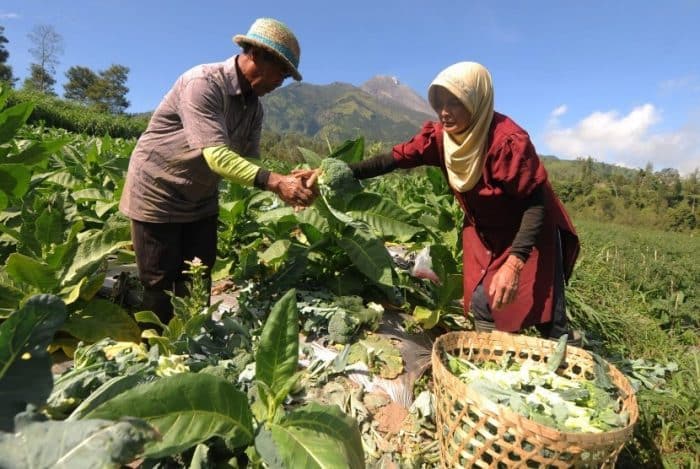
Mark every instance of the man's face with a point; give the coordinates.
(270, 72)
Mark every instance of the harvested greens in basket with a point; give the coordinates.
(536, 391)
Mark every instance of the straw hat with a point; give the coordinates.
(275, 37)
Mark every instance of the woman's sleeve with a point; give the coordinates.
(519, 171)
(423, 149)
(517, 168)
(375, 166)
(530, 225)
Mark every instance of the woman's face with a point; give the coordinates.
(454, 117)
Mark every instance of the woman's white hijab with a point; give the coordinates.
(465, 153)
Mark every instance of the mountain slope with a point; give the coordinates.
(389, 89)
(339, 111)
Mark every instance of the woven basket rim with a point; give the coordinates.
(504, 412)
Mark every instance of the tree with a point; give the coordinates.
(106, 91)
(39, 80)
(80, 81)
(48, 45)
(115, 90)
(5, 69)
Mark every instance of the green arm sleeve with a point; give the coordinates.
(230, 165)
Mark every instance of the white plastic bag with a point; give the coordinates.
(423, 266)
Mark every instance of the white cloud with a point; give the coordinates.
(628, 140)
(8, 16)
(558, 112)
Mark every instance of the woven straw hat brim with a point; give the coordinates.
(241, 39)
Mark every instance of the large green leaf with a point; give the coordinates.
(311, 216)
(25, 366)
(12, 119)
(437, 180)
(383, 215)
(94, 248)
(37, 152)
(109, 390)
(49, 227)
(101, 318)
(60, 256)
(277, 357)
(274, 215)
(350, 151)
(102, 207)
(230, 212)
(369, 255)
(75, 445)
(311, 157)
(9, 296)
(276, 253)
(449, 273)
(14, 179)
(91, 194)
(315, 436)
(186, 409)
(26, 270)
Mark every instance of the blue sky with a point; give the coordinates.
(615, 80)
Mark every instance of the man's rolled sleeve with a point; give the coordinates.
(230, 165)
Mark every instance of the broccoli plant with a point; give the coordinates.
(352, 315)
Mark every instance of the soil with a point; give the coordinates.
(390, 418)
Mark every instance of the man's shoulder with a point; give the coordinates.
(203, 71)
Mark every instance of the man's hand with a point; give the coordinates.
(291, 189)
(504, 286)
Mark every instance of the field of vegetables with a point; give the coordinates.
(87, 380)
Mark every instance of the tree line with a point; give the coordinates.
(103, 90)
(661, 199)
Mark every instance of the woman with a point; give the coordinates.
(518, 241)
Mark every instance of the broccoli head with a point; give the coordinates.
(337, 182)
(341, 327)
(352, 315)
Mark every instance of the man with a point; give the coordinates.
(205, 128)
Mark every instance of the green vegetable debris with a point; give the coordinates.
(536, 391)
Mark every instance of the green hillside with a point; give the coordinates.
(570, 169)
(636, 197)
(338, 111)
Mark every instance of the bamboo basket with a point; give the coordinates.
(476, 432)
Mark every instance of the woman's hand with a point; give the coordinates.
(504, 285)
(309, 176)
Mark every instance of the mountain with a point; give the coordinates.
(340, 111)
(388, 89)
